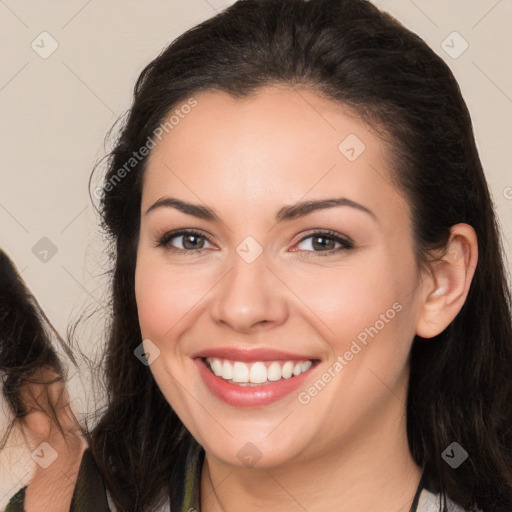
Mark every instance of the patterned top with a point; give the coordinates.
(90, 493)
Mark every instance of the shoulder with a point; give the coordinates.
(89, 492)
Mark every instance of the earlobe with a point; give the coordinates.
(446, 290)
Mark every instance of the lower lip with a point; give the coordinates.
(249, 396)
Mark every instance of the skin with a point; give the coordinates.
(51, 487)
(246, 159)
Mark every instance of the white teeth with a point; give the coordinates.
(306, 366)
(274, 372)
(240, 372)
(227, 370)
(216, 367)
(258, 372)
(287, 370)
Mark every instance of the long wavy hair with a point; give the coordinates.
(460, 385)
(28, 356)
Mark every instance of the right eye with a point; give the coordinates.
(191, 241)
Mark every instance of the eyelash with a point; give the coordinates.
(346, 243)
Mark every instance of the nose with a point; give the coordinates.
(250, 297)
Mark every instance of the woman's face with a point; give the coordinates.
(321, 324)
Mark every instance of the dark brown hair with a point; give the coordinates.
(27, 353)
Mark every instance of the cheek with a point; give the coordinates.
(152, 300)
(365, 311)
(378, 327)
(352, 296)
(165, 295)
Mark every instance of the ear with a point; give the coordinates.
(446, 286)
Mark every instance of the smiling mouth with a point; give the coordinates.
(257, 373)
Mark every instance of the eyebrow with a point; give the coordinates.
(287, 212)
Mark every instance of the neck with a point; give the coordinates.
(375, 468)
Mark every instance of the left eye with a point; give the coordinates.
(326, 241)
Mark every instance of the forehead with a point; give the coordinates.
(275, 146)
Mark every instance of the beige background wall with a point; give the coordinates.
(56, 109)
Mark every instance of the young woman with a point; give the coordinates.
(310, 309)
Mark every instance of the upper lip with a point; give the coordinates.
(251, 354)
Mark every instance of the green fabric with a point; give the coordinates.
(16, 502)
(193, 470)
